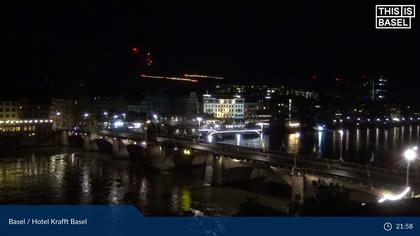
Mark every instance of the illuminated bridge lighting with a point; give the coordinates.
(8, 122)
(258, 131)
(395, 197)
(168, 78)
(202, 76)
(187, 152)
(294, 124)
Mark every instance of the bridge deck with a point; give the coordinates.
(373, 175)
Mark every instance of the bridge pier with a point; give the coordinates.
(89, 142)
(202, 158)
(299, 181)
(208, 173)
(119, 149)
(227, 170)
(93, 145)
(298, 186)
(86, 143)
(63, 139)
(158, 157)
(217, 170)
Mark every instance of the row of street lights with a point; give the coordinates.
(410, 155)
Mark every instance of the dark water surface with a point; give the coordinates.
(71, 176)
(354, 145)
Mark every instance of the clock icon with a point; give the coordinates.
(387, 226)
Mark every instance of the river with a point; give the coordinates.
(70, 176)
(384, 146)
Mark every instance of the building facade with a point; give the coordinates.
(14, 119)
(59, 110)
(97, 105)
(62, 112)
(8, 110)
(262, 91)
(376, 89)
(224, 108)
(258, 110)
(167, 105)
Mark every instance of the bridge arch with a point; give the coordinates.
(75, 140)
(103, 144)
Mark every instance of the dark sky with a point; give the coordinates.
(90, 41)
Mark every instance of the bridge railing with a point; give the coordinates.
(291, 156)
(332, 161)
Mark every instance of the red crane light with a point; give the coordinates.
(135, 50)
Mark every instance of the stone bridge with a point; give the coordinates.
(223, 166)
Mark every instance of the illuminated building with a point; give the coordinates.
(258, 110)
(8, 110)
(31, 127)
(224, 108)
(59, 110)
(264, 91)
(34, 108)
(252, 109)
(171, 104)
(376, 89)
(96, 105)
(25, 133)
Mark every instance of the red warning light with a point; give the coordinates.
(135, 50)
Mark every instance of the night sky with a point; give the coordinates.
(90, 42)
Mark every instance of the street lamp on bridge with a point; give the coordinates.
(409, 155)
(341, 132)
(199, 119)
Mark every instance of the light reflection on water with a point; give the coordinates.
(356, 144)
(44, 176)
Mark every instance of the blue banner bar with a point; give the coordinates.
(127, 220)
